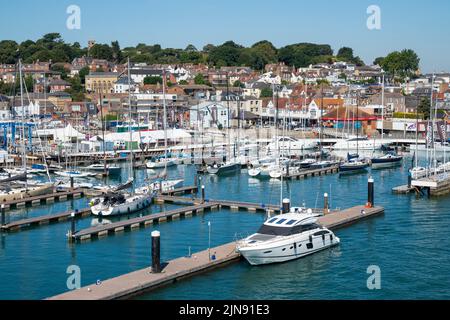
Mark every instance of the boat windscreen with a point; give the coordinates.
(284, 231)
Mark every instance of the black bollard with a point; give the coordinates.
(371, 198)
(3, 221)
(409, 179)
(156, 252)
(286, 206)
(203, 193)
(326, 208)
(72, 222)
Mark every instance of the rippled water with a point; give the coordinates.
(409, 244)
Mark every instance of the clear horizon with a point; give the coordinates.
(404, 25)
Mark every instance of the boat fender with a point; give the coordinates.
(310, 239)
(323, 238)
(331, 237)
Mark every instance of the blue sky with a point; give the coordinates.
(423, 26)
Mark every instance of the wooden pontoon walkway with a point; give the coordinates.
(135, 223)
(46, 198)
(143, 280)
(44, 220)
(137, 282)
(302, 174)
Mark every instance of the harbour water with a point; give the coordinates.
(409, 244)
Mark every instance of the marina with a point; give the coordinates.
(249, 170)
(144, 280)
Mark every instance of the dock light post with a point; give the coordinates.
(203, 193)
(370, 197)
(3, 221)
(209, 240)
(71, 183)
(72, 223)
(156, 252)
(326, 208)
(286, 206)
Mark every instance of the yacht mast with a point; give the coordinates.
(129, 125)
(24, 156)
(382, 109)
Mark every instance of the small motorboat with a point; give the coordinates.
(75, 174)
(100, 169)
(286, 237)
(386, 161)
(353, 166)
(161, 163)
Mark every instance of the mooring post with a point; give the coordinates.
(409, 179)
(370, 198)
(72, 222)
(203, 193)
(3, 221)
(286, 206)
(326, 208)
(71, 183)
(156, 252)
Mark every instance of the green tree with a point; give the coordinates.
(153, 80)
(60, 68)
(378, 61)
(83, 73)
(101, 51)
(199, 79)
(401, 64)
(266, 93)
(424, 107)
(239, 84)
(190, 47)
(227, 54)
(304, 54)
(116, 52)
(183, 82)
(9, 51)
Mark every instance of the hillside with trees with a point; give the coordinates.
(52, 47)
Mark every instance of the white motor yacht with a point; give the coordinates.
(286, 237)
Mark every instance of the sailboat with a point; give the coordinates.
(117, 203)
(354, 164)
(25, 189)
(160, 182)
(229, 166)
(389, 159)
(418, 172)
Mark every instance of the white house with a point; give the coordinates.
(208, 115)
(121, 86)
(31, 110)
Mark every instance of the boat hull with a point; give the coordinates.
(225, 169)
(22, 193)
(353, 169)
(279, 253)
(386, 163)
(134, 204)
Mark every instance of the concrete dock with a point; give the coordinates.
(305, 173)
(136, 223)
(45, 198)
(144, 280)
(44, 220)
(137, 282)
